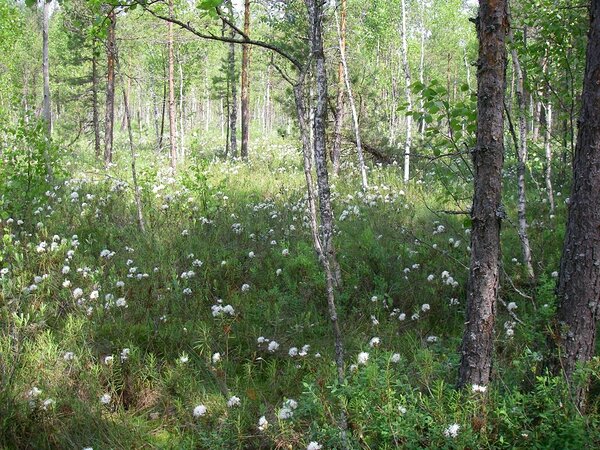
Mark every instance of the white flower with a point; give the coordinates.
(121, 302)
(273, 346)
(374, 342)
(199, 411)
(261, 339)
(48, 403)
(452, 430)
(233, 401)
(251, 255)
(65, 270)
(262, 423)
(374, 298)
(108, 359)
(119, 284)
(184, 358)
(314, 446)
(187, 291)
(395, 358)
(105, 399)
(425, 307)
(432, 339)
(125, 354)
(511, 306)
(430, 277)
(278, 272)
(285, 252)
(94, 295)
(363, 357)
(245, 287)
(478, 388)
(402, 409)
(34, 392)
(77, 292)
(401, 316)
(293, 351)
(69, 356)
(555, 274)
(216, 357)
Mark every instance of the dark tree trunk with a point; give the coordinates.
(579, 282)
(488, 158)
(110, 88)
(246, 84)
(233, 85)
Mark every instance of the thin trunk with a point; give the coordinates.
(181, 115)
(339, 109)
(111, 48)
(246, 84)
(423, 124)
(548, 151)
(136, 188)
(535, 125)
(162, 116)
(47, 106)
(579, 282)
(330, 266)
(233, 85)
(406, 69)
(172, 125)
(521, 163)
(488, 158)
(361, 159)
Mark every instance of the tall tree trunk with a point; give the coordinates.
(548, 151)
(488, 158)
(422, 125)
(111, 50)
(95, 108)
(181, 114)
(579, 281)
(47, 106)
(339, 108)
(521, 162)
(331, 268)
(361, 159)
(136, 187)
(246, 84)
(233, 107)
(406, 69)
(172, 125)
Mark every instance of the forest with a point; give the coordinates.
(299, 224)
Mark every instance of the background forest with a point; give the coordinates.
(254, 224)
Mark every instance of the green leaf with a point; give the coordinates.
(30, 3)
(209, 4)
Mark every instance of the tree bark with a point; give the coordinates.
(521, 151)
(339, 109)
(328, 259)
(136, 187)
(47, 105)
(246, 84)
(171, 70)
(406, 69)
(579, 281)
(488, 158)
(346, 76)
(548, 151)
(233, 107)
(111, 50)
(95, 108)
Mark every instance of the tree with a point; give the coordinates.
(246, 84)
(339, 107)
(111, 54)
(172, 125)
(486, 214)
(406, 70)
(579, 280)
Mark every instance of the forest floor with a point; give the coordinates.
(210, 329)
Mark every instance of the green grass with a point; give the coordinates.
(153, 393)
